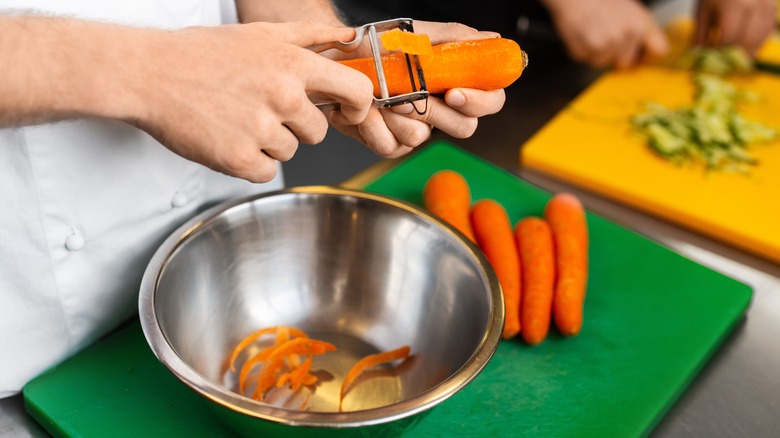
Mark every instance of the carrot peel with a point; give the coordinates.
(407, 42)
(368, 362)
(252, 337)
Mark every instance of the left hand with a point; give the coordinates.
(393, 132)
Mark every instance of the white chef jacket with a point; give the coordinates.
(85, 203)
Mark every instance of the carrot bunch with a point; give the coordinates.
(541, 263)
(280, 363)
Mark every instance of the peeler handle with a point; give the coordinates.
(360, 33)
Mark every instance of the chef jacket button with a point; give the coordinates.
(74, 242)
(179, 200)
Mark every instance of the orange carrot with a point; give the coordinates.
(447, 195)
(368, 362)
(566, 217)
(494, 235)
(488, 64)
(537, 258)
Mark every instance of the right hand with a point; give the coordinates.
(608, 33)
(747, 23)
(236, 98)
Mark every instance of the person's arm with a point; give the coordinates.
(280, 11)
(54, 70)
(234, 98)
(608, 33)
(747, 23)
(395, 132)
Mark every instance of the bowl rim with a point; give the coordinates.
(226, 398)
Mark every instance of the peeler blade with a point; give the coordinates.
(414, 67)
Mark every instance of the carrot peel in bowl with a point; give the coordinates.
(368, 362)
(252, 337)
(286, 363)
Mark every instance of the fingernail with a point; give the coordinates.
(490, 34)
(402, 109)
(455, 98)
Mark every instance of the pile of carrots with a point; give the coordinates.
(541, 262)
(279, 364)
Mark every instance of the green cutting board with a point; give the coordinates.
(652, 320)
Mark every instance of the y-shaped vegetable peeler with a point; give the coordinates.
(416, 77)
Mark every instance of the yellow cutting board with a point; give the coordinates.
(591, 144)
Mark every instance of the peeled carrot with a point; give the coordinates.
(368, 362)
(537, 258)
(566, 216)
(447, 195)
(493, 232)
(488, 64)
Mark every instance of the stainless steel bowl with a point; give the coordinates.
(365, 272)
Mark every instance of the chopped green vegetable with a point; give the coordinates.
(718, 61)
(710, 131)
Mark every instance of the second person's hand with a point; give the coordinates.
(746, 23)
(608, 33)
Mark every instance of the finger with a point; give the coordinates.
(376, 135)
(757, 29)
(629, 50)
(447, 119)
(407, 131)
(603, 58)
(475, 103)
(350, 131)
(249, 163)
(705, 20)
(309, 33)
(305, 120)
(655, 44)
(729, 23)
(445, 32)
(629, 57)
(347, 86)
(279, 142)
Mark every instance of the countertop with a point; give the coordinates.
(738, 391)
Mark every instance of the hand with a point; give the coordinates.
(236, 98)
(746, 23)
(393, 132)
(608, 33)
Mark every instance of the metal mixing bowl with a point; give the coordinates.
(365, 272)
